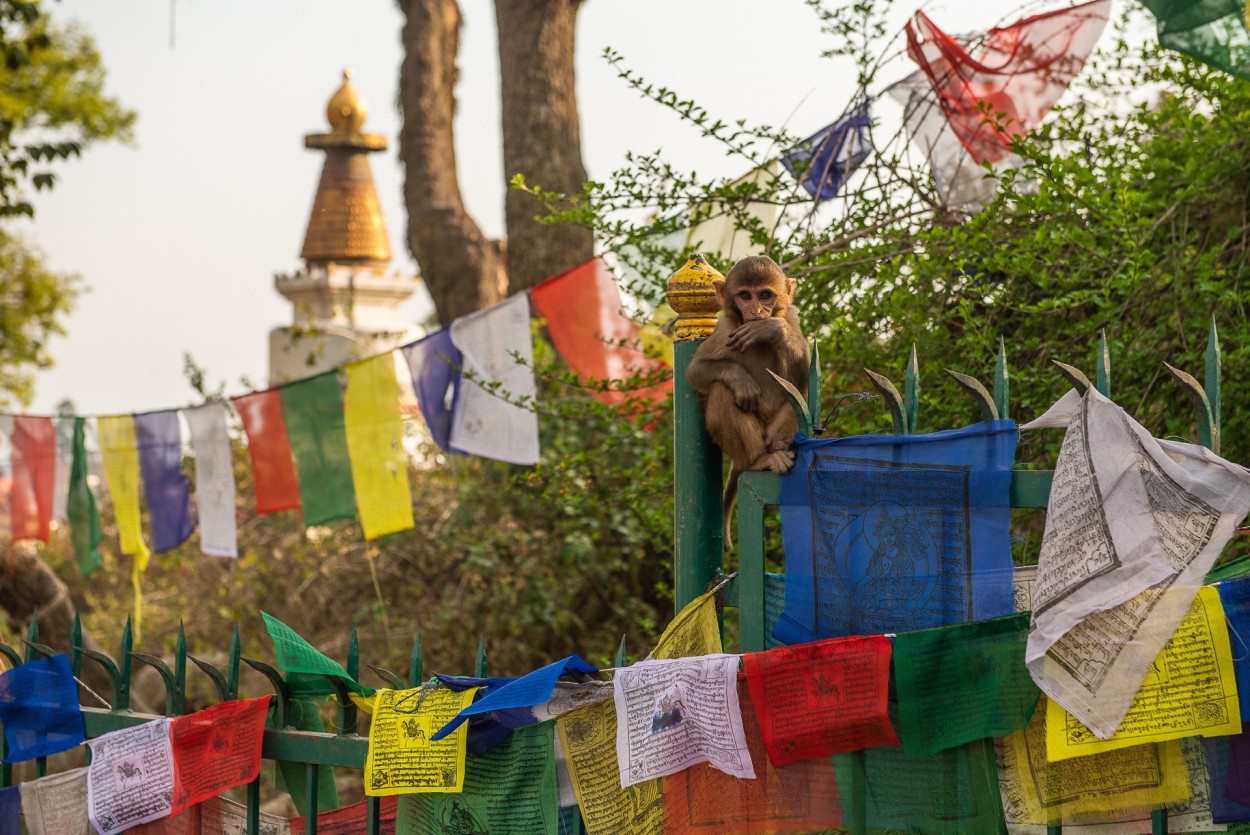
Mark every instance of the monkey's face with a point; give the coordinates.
(757, 302)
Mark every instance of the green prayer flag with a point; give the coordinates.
(291, 776)
(509, 789)
(303, 663)
(80, 507)
(1239, 567)
(965, 682)
(313, 412)
(1211, 31)
(954, 792)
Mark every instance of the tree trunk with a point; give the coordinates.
(463, 270)
(541, 134)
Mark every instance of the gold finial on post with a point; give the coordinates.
(691, 294)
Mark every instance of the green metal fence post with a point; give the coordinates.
(697, 538)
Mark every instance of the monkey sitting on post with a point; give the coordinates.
(746, 411)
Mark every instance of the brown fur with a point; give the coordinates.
(747, 413)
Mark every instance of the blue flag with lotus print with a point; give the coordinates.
(824, 161)
(167, 490)
(894, 533)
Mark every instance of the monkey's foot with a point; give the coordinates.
(778, 462)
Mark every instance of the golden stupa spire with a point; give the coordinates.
(346, 225)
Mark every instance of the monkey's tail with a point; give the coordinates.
(727, 507)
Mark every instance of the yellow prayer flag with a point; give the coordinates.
(588, 740)
(120, 451)
(694, 632)
(1190, 691)
(375, 432)
(401, 758)
(1120, 785)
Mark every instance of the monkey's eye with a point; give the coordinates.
(766, 295)
(745, 296)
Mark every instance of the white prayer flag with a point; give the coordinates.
(131, 777)
(672, 714)
(57, 805)
(214, 479)
(483, 422)
(64, 463)
(1133, 525)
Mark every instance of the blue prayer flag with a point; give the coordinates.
(167, 490)
(894, 533)
(11, 811)
(435, 366)
(524, 692)
(1235, 597)
(39, 709)
(832, 154)
(1226, 762)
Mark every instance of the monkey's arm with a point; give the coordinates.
(715, 363)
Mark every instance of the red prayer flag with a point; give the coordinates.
(703, 800)
(822, 698)
(350, 820)
(273, 467)
(1019, 71)
(34, 477)
(583, 312)
(187, 823)
(216, 749)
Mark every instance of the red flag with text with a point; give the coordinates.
(216, 749)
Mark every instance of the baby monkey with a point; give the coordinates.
(747, 412)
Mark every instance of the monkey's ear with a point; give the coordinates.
(719, 286)
(790, 283)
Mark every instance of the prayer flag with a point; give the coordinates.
(694, 632)
(1190, 690)
(167, 490)
(822, 698)
(498, 353)
(273, 467)
(1016, 74)
(313, 411)
(11, 811)
(715, 229)
(221, 816)
(894, 533)
(511, 789)
(588, 739)
(672, 714)
(39, 709)
(57, 805)
(960, 683)
(351, 820)
(121, 469)
(703, 800)
(582, 308)
(298, 658)
(80, 507)
(34, 477)
(524, 692)
(1211, 31)
(375, 433)
(1133, 525)
(64, 465)
(214, 479)
(131, 777)
(403, 757)
(1124, 784)
(435, 365)
(216, 749)
(1235, 600)
(292, 777)
(829, 156)
(1228, 776)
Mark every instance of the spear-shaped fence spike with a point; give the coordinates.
(386, 675)
(167, 678)
(124, 665)
(911, 392)
(1212, 380)
(180, 671)
(115, 676)
(282, 694)
(40, 650)
(481, 668)
(1208, 431)
(1102, 370)
(75, 641)
(218, 678)
(11, 655)
(32, 636)
(621, 658)
(1073, 375)
(346, 707)
(798, 402)
(1002, 382)
(985, 401)
(353, 655)
(416, 663)
(892, 399)
(232, 664)
(813, 384)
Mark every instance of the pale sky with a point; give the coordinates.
(178, 237)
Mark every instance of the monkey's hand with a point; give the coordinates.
(746, 394)
(757, 332)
